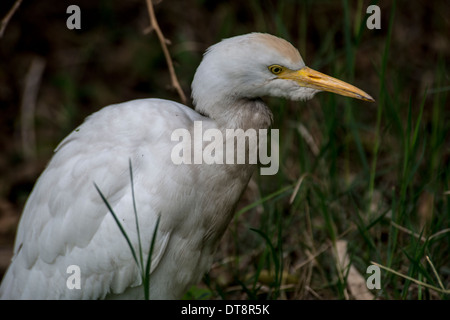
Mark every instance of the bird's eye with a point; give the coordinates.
(276, 69)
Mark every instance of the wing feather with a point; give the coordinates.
(65, 222)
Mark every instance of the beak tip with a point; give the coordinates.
(364, 96)
(369, 99)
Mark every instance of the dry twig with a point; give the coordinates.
(356, 283)
(28, 106)
(8, 17)
(420, 283)
(154, 26)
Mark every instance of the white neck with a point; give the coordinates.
(241, 114)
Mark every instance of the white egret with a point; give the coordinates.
(65, 222)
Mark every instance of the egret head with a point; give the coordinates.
(255, 65)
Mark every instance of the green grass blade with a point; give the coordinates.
(136, 218)
(133, 252)
(148, 264)
(276, 257)
(260, 201)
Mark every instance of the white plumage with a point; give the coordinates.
(65, 222)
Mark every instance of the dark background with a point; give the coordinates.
(112, 60)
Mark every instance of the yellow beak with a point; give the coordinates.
(307, 77)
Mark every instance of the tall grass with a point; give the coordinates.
(379, 181)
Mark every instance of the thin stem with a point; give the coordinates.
(8, 17)
(155, 26)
